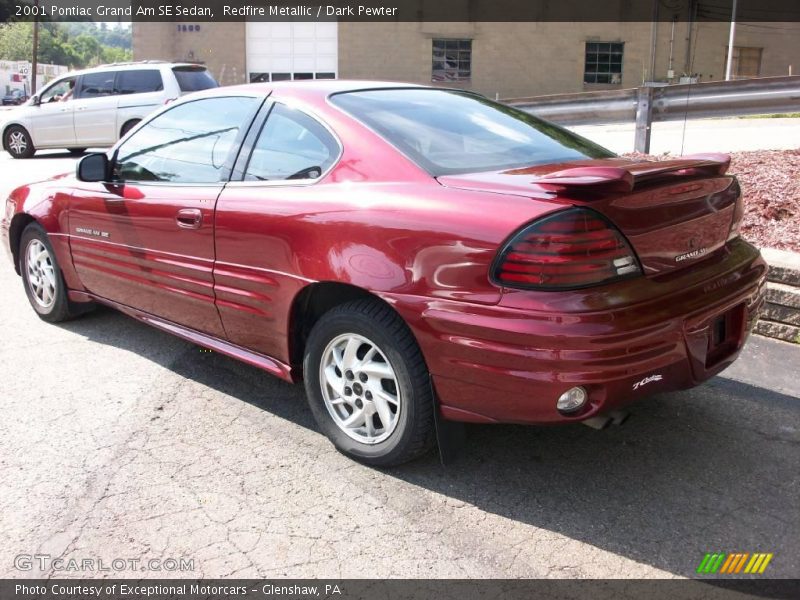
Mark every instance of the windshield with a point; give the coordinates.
(450, 132)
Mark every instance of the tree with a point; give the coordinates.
(75, 45)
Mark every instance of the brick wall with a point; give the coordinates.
(781, 318)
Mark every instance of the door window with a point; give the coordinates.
(190, 143)
(93, 85)
(57, 91)
(291, 145)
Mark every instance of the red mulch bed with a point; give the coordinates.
(770, 181)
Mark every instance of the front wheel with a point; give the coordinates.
(367, 384)
(41, 276)
(18, 142)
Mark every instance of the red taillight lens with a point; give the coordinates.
(571, 249)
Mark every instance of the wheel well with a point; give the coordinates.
(131, 122)
(18, 225)
(310, 304)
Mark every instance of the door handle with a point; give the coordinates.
(189, 218)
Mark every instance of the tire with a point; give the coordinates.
(400, 392)
(128, 126)
(41, 276)
(76, 150)
(17, 142)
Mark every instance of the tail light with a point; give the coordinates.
(574, 248)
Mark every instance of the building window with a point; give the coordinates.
(603, 62)
(452, 60)
(746, 62)
(262, 77)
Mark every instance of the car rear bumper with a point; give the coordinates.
(510, 362)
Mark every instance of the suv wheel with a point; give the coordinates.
(367, 384)
(128, 126)
(17, 141)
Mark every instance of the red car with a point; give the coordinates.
(404, 251)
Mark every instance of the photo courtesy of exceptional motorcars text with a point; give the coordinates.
(399, 299)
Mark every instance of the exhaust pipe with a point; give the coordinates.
(601, 421)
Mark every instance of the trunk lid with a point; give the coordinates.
(674, 212)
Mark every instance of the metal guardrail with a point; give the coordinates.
(763, 95)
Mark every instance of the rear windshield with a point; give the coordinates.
(450, 132)
(194, 79)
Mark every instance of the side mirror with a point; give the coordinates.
(93, 167)
(35, 100)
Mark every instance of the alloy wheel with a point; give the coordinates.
(40, 273)
(360, 388)
(17, 142)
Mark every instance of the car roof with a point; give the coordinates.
(312, 90)
(130, 66)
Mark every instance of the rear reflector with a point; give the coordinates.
(571, 249)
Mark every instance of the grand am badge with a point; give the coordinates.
(647, 380)
(92, 232)
(692, 254)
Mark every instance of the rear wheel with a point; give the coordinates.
(128, 126)
(17, 141)
(367, 384)
(41, 276)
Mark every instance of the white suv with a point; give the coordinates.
(96, 107)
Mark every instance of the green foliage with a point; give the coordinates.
(76, 45)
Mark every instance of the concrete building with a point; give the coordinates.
(503, 59)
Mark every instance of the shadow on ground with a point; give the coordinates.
(714, 469)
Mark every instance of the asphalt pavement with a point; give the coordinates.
(119, 441)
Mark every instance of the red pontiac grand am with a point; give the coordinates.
(404, 251)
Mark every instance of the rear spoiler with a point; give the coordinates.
(624, 179)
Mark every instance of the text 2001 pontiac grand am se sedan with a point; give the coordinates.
(402, 250)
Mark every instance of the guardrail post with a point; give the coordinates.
(644, 119)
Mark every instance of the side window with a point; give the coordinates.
(93, 85)
(291, 145)
(139, 81)
(57, 91)
(187, 144)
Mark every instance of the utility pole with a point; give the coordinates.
(35, 61)
(729, 66)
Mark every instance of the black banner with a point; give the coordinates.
(402, 10)
(356, 589)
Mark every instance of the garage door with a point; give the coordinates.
(292, 50)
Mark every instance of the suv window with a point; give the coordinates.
(57, 90)
(194, 79)
(139, 81)
(187, 144)
(93, 85)
(291, 145)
